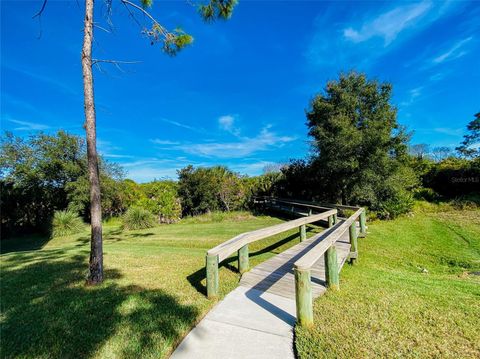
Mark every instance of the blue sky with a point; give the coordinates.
(238, 95)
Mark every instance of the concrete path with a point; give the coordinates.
(242, 326)
(256, 320)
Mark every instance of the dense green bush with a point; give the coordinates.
(138, 218)
(161, 199)
(210, 189)
(65, 223)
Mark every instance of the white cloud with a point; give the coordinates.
(183, 125)
(245, 146)
(454, 52)
(28, 126)
(390, 24)
(227, 123)
(164, 142)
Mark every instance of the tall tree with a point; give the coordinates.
(357, 141)
(470, 146)
(172, 41)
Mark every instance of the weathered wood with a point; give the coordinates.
(330, 221)
(303, 232)
(231, 246)
(353, 242)
(309, 259)
(212, 275)
(303, 297)
(331, 268)
(335, 219)
(243, 265)
(363, 224)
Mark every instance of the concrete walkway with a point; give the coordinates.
(242, 326)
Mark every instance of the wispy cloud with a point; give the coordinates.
(158, 141)
(183, 125)
(50, 80)
(389, 24)
(227, 123)
(455, 52)
(244, 146)
(368, 38)
(29, 126)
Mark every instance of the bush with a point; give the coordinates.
(161, 199)
(138, 218)
(65, 223)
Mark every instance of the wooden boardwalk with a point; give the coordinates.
(276, 275)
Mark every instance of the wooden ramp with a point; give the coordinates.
(276, 275)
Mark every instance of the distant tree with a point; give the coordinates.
(44, 173)
(420, 150)
(440, 153)
(470, 146)
(210, 189)
(358, 143)
(172, 42)
(161, 199)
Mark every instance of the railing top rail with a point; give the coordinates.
(314, 254)
(308, 203)
(227, 248)
(300, 204)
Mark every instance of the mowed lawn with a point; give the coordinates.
(415, 293)
(152, 296)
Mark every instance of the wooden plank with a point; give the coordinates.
(227, 248)
(309, 259)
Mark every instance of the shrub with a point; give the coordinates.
(138, 218)
(65, 223)
(161, 199)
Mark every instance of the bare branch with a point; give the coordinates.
(95, 61)
(102, 28)
(41, 10)
(147, 14)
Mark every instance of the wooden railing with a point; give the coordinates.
(303, 266)
(326, 248)
(240, 244)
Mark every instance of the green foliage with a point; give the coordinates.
(161, 199)
(360, 150)
(146, 3)
(65, 223)
(44, 173)
(454, 177)
(210, 189)
(138, 218)
(217, 9)
(472, 139)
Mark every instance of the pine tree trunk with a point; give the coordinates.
(95, 274)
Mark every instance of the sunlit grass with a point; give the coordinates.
(412, 294)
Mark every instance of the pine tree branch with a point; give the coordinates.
(41, 9)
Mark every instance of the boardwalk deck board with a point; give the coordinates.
(275, 275)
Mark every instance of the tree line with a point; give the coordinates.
(360, 155)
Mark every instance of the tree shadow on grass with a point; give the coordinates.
(196, 278)
(23, 243)
(47, 311)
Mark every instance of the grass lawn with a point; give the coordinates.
(412, 294)
(153, 293)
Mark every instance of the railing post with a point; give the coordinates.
(243, 259)
(331, 268)
(353, 242)
(330, 221)
(303, 232)
(335, 219)
(303, 297)
(363, 224)
(310, 212)
(212, 276)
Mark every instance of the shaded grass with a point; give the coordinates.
(412, 294)
(152, 295)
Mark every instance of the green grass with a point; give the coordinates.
(152, 296)
(155, 283)
(411, 295)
